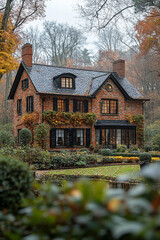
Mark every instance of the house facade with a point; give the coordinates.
(69, 99)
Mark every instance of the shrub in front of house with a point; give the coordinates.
(41, 134)
(105, 152)
(121, 148)
(25, 136)
(6, 138)
(144, 159)
(15, 182)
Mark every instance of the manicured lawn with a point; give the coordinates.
(107, 171)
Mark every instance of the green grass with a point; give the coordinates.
(107, 171)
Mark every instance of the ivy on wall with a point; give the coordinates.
(68, 118)
(138, 120)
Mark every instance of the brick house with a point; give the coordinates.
(39, 88)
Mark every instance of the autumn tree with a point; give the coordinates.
(148, 32)
(13, 14)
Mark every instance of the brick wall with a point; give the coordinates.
(21, 94)
(124, 107)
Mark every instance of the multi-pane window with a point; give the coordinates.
(19, 106)
(80, 106)
(60, 106)
(25, 84)
(29, 104)
(117, 136)
(68, 137)
(109, 106)
(79, 137)
(59, 137)
(66, 82)
(98, 134)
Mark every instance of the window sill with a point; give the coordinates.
(19, 114)
(109, 114)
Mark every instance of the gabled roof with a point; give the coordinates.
(87, 82)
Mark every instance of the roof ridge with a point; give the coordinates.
(72, 68)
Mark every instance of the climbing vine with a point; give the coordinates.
(137, 120)
(68, 118)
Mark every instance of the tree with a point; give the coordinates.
(143, 5)
(60, 42)
(13, 14)
(148, 32)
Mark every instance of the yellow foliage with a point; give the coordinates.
(8, 44)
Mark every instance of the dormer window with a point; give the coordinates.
(66, 82)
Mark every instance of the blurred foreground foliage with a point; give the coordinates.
(88, 210)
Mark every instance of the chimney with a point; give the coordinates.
(27, 54)
(119, 67)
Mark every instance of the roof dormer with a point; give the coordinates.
(65, 81)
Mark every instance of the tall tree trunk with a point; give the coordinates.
(5, 21)
(6, 15)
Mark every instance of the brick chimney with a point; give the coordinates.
(27, 54)
(119, 67)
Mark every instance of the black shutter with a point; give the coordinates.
(32, 104)
(116, 106)
(100, 136)
(27, 99)
(54, 104)
(22, 83)
(85, 106)
(74, 105)
(72, 136)
(67, 105)
(20, 106)
(52, 138)
(88, 137)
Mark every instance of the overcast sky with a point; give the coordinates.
(64, 11)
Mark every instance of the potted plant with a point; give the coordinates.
(144, 159)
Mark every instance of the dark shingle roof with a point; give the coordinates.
(87, 82)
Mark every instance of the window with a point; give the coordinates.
(19, 106)
(66, 82)
(25, 84)
(80, 106)
(29, 104)
(59, 137)
(79, 137)
(60, 106)
(18, 130)
(98, 136)
(109, 106)
(68, 137)
(109, 88)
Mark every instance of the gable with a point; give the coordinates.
(103, 81)
(22, 74)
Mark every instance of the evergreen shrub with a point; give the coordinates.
(25, 136)
(15, 182)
